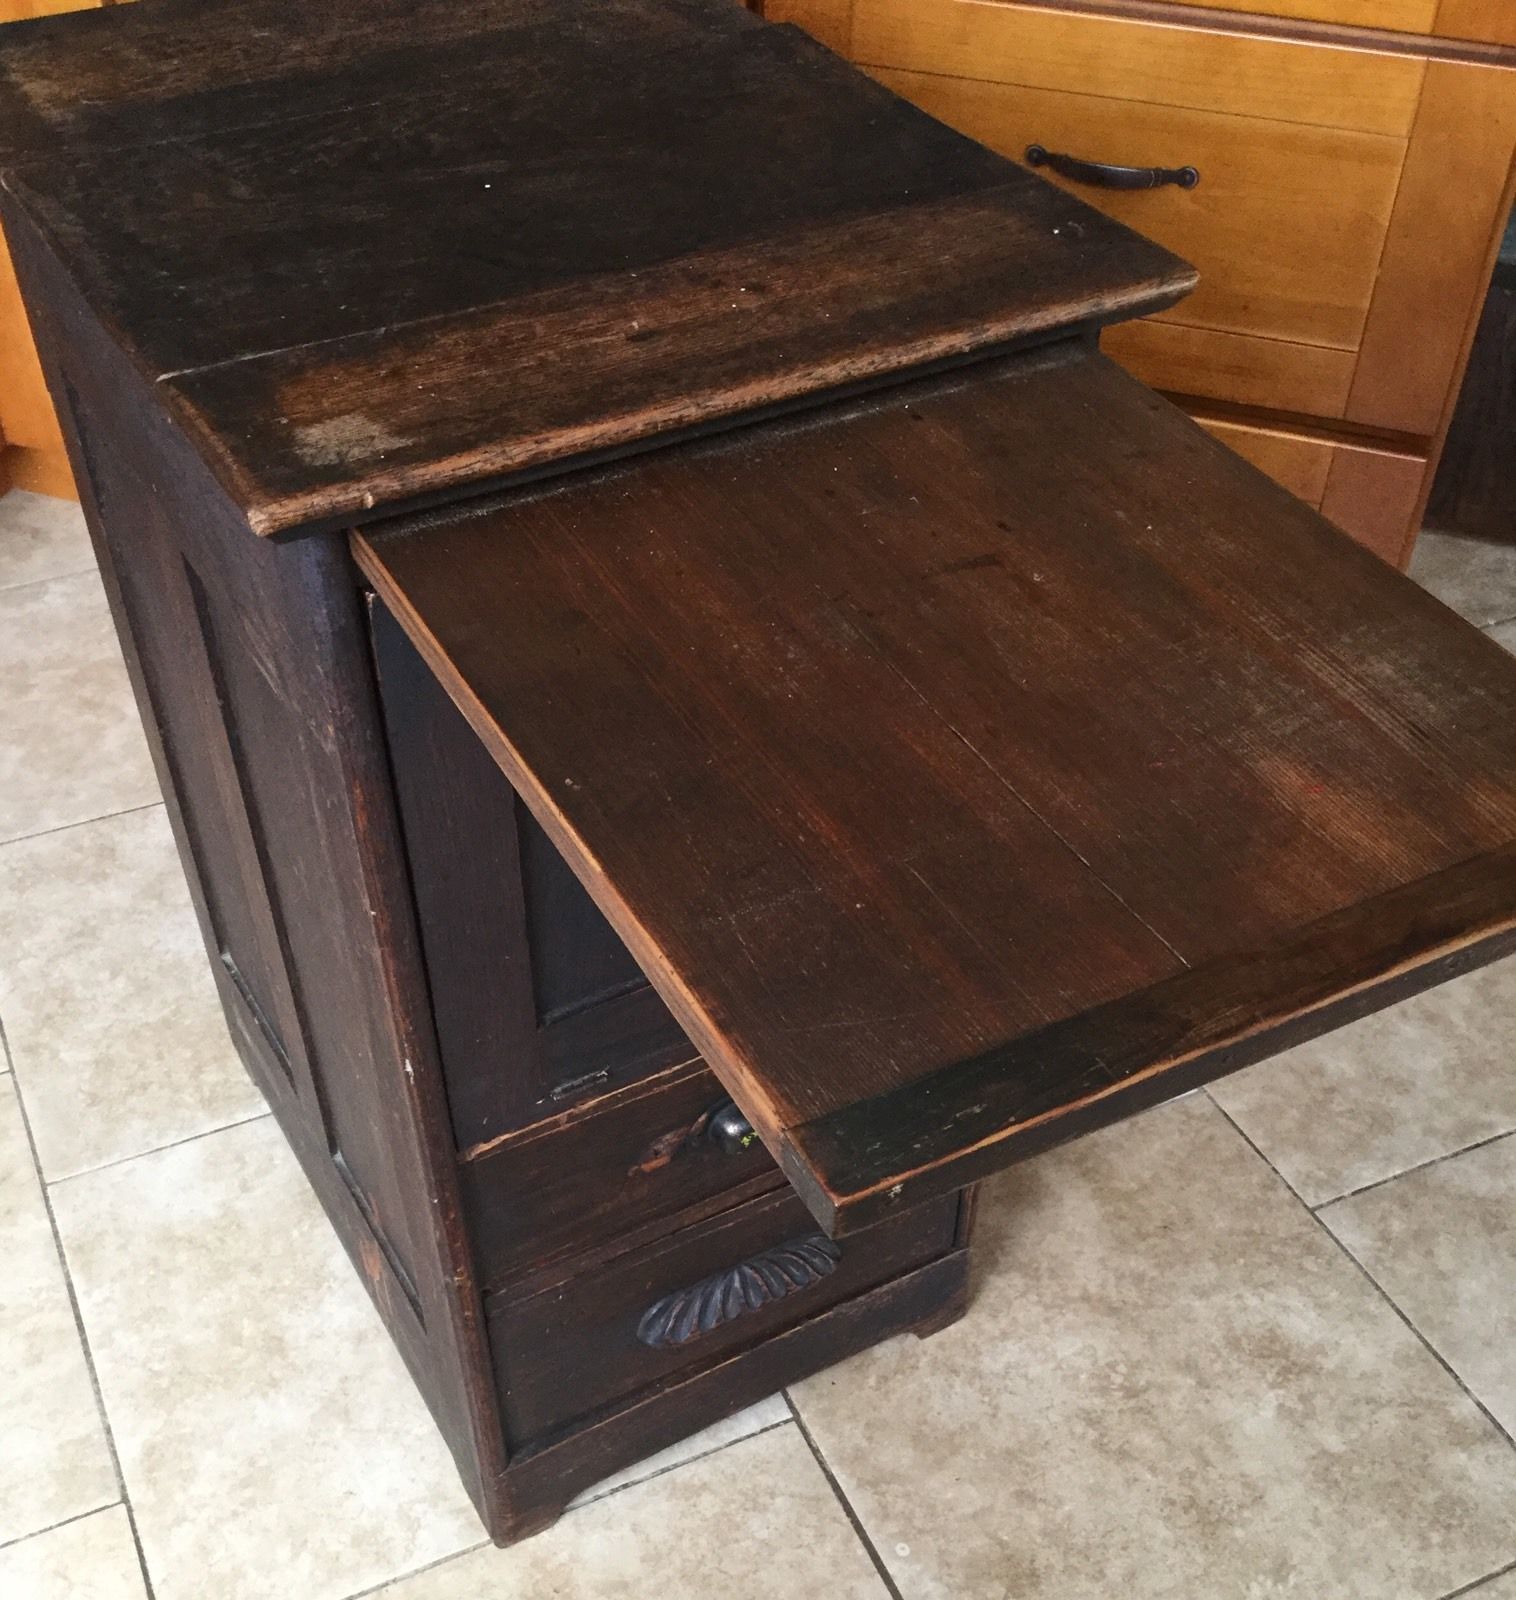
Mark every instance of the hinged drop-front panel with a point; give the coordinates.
(978, 762)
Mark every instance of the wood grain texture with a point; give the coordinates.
(1286, 226)
(1450, 213)
(897, 1149)
(664, 215)
(1130, 58)
(888, 740)
(1267, 374)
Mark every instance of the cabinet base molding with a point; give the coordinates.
(40, 471)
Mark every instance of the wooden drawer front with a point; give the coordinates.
(1141, 61)
(1287, 224)
(627, 1161)
(1375, 495)
(1300, 464)
(576, 1347)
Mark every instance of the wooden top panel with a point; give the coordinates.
(373, 252)
(894, 738)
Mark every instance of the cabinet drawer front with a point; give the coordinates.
(1374, 495)
(699, 1294)
(1297, 463)
(1142, 61)
(1287, 224)
(625, 1162)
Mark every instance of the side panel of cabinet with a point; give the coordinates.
(250, 664)
(32, 454)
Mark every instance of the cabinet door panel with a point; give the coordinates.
(1449, 216)
(537, 1002)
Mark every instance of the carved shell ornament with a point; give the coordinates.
(770, 1275)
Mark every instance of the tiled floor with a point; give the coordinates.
(1256, 1345)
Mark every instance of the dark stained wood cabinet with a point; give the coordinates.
(702, 716)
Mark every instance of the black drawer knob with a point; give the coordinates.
(729, 1130)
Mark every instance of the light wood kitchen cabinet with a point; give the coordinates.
(31, 446)
(1352, 164)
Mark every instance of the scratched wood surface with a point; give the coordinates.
(378, 251)
(892, 738)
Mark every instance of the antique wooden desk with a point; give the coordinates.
(702, 716)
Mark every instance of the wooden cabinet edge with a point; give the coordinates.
(1455, 196)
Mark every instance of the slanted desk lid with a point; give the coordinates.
(369, 253)
(971, 765)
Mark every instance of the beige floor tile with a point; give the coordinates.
(1417, 1081)
(71, 745)
(54, 1460)
(41, 537)
(1442, 1244)
(91, 1559)
(766, 1414)
(1477, 578)
(115, 1031)
(753, 1522)
(271, 1441)
(1171, 1383)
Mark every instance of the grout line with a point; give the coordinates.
(83, 822)
(73, 1302)
(152, 1150)
(842, 1500)
(1420, 1166)
(415, 1572)
(1499, 622)
(51, 577)
(1479, 1583)
(674, 1466)
(1375, 1284)
(63, 1522)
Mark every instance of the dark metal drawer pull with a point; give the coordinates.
(723, 1126)
(1105, 176)
(729, 1130)
(749, 1286)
